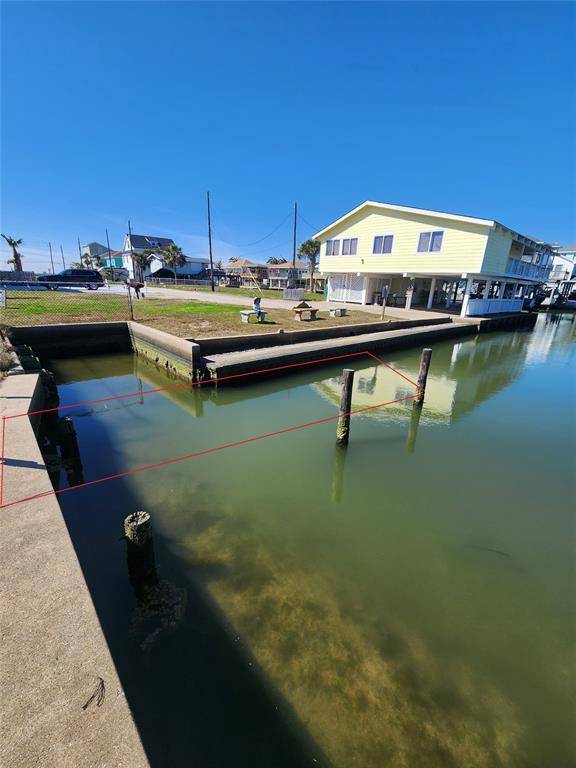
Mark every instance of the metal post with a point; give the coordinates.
(130, 308)
(62, 254)
(294, 246)
(210, 243)
(423, 375)
(109, 254)
(343, 426)
(80, 250)
(385, 290)
(131, 255)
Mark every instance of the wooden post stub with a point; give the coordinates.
(423, 375)
(343, 426)
(140, 548)
(138, 528)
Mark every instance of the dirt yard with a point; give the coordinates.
(228, 323)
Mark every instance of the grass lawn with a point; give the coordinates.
(186, 318)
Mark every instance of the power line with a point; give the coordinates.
(312, 227)
(268, 248)
(247, 245)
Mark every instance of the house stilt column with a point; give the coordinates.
(466, 299)
(431, 294)
(409, 294)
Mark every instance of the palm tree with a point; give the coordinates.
(141, 259)
(173, 256)
(310, 250)
(16, 256)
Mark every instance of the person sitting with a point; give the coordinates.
(256, 308)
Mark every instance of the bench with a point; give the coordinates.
(299, 311)
(246, 314)
(338, 312)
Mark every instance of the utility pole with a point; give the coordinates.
(80, 250)
(294, 246)
(51, 259)
(62, 254)
(210, 242)
(131, 250)
(109, 252)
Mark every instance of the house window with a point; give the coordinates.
(349, 246)
(383, 244)
(332, 247)
(430, 242)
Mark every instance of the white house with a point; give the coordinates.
(430, 259)
(563, 273)
(139, 243)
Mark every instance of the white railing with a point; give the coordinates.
(524, 269)
(493, 306)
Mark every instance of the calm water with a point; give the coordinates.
(407, 603)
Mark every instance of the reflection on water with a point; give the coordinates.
(408, 601)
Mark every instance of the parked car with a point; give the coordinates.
(76, 278)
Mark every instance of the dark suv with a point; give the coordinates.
(79, 278)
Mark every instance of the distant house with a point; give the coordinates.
(563, 273)
(279, 275)
(246, 273)
(93, 249)
(156, 268)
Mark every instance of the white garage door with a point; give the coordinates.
(346, 288)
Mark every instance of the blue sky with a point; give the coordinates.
(133, 110)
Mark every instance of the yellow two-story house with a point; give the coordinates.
(430, 259)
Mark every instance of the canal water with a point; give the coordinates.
(408, 602)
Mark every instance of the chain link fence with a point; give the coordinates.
(29, 304)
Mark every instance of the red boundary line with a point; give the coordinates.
(188, 385)
(2, 467)
(205, 451)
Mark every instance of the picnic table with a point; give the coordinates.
(303, 307)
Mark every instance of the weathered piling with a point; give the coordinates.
(140, 548)
(414, 424)
(338, 475)
(423, 375)
(343, 426)
(70, 451)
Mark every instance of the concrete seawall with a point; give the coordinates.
(215, 345)
(54, 654)
(230, 364)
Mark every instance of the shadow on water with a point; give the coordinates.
(196, 694)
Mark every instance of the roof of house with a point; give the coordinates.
(149, 241)
(421, 212)
(288, 265)
(87, 245)
(567, 249)
(242, 263)
(112, 253)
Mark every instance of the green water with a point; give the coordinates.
(406, 603)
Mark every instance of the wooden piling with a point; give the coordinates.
(70, 451)
(423, 375)
(338, 475)
(140, 547)
(343, 426)
(414, 424)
